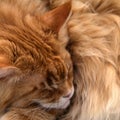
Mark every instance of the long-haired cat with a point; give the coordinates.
(35, 69)
(94, 31)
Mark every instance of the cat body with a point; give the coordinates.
(35, 69)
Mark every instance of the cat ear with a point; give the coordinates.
(6, 70)
(57, 17)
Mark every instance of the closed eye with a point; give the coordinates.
(55, 86)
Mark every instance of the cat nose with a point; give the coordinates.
(69, 94)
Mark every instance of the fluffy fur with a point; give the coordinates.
(35, 69)
(94, 44)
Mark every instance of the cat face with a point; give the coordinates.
(34, 67)
(56, 93)
(47, 89)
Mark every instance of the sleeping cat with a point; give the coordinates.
(94, 45)
(35, 69)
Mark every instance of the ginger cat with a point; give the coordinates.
(36, 76)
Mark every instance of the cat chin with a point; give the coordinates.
(65, 105)
(60, 105)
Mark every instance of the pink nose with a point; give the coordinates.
(69, 94)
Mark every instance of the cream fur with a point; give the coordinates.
(94, 44)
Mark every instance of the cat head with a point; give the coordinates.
(34, 67)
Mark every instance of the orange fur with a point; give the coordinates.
(35, 70)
